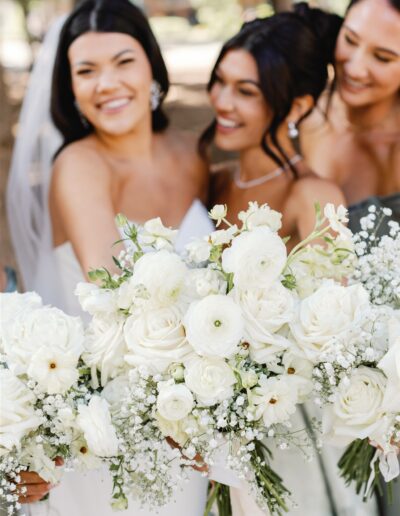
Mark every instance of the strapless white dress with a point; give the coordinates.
(89, 494)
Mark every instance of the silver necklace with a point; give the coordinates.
(267, 177)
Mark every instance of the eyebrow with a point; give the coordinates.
(242, 81)
(114, 58)
(380, 49)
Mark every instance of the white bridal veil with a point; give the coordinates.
(29, 179)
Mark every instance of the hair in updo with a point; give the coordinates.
(101, 16)
(292, 51)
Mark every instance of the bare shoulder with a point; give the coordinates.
(78, 156)
(311, 189)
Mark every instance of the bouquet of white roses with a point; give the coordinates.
(357, 374)
(210, 339)
(47, 408)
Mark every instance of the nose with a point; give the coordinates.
(107, 80)
(223, 99)
(356, 67)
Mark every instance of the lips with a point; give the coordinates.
(353, 85)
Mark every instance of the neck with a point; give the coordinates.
(381, 116)
(255, 163)
(136, 143)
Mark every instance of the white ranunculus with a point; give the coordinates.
(214, 326)
(337, 220)
(357, 410)
(46, 327)
(104, 346)
(332, 310)
(115, 391)
(204, 282)
(302, 370)
(174, 402)
(12, 306)
(54, 370)
(198, 250)
(162, 274)
(17, 413)
(94, 299)
(263, 215)
(265, 312)
(256, 258)
(156, 338)
(210, 379)
(274, 399)
(155, 234)
(95, 422)
(218, 213)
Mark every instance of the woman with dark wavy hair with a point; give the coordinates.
(266, 81)
(357, 143)
(117, 154)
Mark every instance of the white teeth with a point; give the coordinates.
(354, 84)
(225, 122)
(113, 104)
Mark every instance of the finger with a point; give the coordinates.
(59, 461)
(30, 477)
(33, 489)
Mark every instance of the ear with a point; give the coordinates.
(301, 107)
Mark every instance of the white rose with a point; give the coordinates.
(261, 216)
(17, 414)
(357, 410)
(174, 402)
(94, 299)
(45, 327)
(214, 326)
(198, 250)
(173, 429)
(54, 370)
(163, 276)
(12, 306)
(256, 258)
(274, 399)
(204, 282)
(156, 338)
(95, 422)
(332, 310)
(218, 213)
(265, 312)
(155, 234)
(105, 346)
(211, 379)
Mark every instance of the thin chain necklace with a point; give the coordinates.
(243, 185)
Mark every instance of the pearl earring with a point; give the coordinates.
(293, 132)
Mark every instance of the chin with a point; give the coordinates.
(227, 144)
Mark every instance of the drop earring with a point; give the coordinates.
(293, 131)
(155, 95)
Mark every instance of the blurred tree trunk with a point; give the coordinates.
(282, 5)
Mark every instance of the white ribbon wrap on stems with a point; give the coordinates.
(388, 466)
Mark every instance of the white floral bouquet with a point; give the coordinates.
(357, 373)
(48, 408)
(208, 352)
